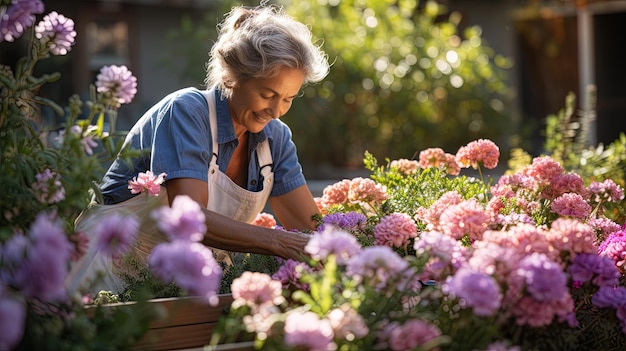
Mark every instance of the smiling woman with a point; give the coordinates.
(224, 147)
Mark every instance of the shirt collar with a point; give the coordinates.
(225, 129)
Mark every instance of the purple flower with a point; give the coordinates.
(332, 242)
(380, 266)
(307, 331)
(190, 265)
(350, 221)
(598, 269)
(184, 220)
(289, 274)
(545, 280)
(56, 32)
(116, 234)
(44, 268)
(478, 290)
(119, 82)
(18, 16)
(608, 296)
(12, 320)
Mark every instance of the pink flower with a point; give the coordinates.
(81, 245)
(572, 236)
(290, 272)
(405, 166)
(48, 187)
(266, 220)
(346, 321)
(307, 331)
(409, 335)
(254, 289)
(379, 266)
(367, 191)
(119, 82)
(146, 182)
(184, 220)
(467, 217)
(190, 265)
(482, 151)
(543, 170)
(116, 234)
(395, 230)
(564, 183)
(336, 194)
(606, 191)
(571, 205)
(431, 215)
(432, 157)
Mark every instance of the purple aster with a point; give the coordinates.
(306, 331)
(43, 271)
(18, 16)
(350, 221)
(545, 280)
(289, 274)
(183, 221)
(190, 265)
(119, 82)
(332, 241)
(56, 32)
(479, 291)
(116, 234)
(598, 269)
(12, 320)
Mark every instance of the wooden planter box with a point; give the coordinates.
(188, 325)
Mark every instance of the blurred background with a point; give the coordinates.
(407, 74)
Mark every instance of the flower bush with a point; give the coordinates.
(47, 180)
(418, 257)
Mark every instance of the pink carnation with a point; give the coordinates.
(482, 151)
(543, 169)
(405, 166)
(572, 236)
(433, 157)
(564, 183)
(571, 205)
(254, 289)
(146, 182)
(336, 194)
(432, 214)
(467, 217)
(395, 230)
(606, 191)
(367, 191)
(266, 220)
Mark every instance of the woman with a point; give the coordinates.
(225, 147)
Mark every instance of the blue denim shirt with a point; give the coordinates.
(174, 137)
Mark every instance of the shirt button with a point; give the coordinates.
(253, 182)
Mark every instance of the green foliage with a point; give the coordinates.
(403, 77)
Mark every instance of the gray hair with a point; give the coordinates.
(257, 42)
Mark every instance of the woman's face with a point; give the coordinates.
(257, 101)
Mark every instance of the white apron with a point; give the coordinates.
(97, 271)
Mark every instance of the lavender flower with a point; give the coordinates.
(44, 268)
(333, 242)
(544, 278)
(478, 290)
(608, 296)
(56, 32)
(380, 266)
(48, 187)
(119, 83)
(184, 220)
(290, 272)
(350, 221)
(18, 16)
(12, 319)
(116, 234)
(307, 331)
(190, 265)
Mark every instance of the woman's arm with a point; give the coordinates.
(295, 209)
(230, 235)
